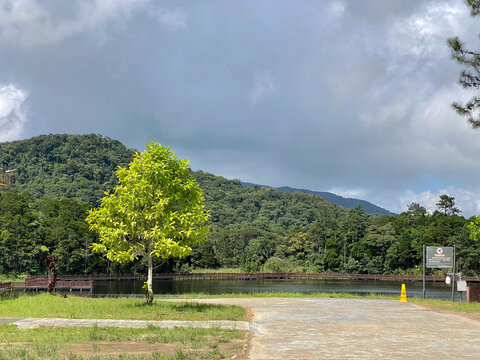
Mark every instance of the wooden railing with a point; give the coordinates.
(5, 285)
(246, 276)
(41, 282)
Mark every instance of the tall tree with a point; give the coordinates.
(470, 77)
(156, 210)
(447, 205)
(415, 209)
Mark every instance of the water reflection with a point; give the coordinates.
(437, 290)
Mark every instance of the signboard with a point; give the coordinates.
(461, 285)
(440, 257)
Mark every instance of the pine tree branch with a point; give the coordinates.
(468, 110)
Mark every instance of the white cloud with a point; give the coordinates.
(349, 193)
(12, 114)
(468, 201)
(423, 33)
(31, 22)
(263, 86)
(172, 20)
(336, 8)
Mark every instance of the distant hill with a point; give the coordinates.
(83, 167)
(348, 203)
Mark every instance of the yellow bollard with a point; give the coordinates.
(403, 294)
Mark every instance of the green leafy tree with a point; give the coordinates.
(447, 205)
(470, 77)
(156, 210)
(258, 251)
(300, 246)
(377, 241)
(474, 228)
(415, 209)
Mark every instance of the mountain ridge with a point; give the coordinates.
(347, 203)
(83, 167)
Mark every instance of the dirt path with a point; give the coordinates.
(31, 323)
(317, 328)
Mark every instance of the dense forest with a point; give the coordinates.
(60, 177)
(73, 166)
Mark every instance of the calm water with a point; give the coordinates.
(437, 290)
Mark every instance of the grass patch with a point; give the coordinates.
(75, 307)
(218, 271)
(67, 343)
(285, 294)
(192, 337)
(12, 353)
(468, 308)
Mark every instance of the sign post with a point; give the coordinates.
(453, 279)
(439, 257)
(424, 271)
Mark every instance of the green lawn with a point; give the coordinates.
(75, 307)
(284, 294)
(469, 308)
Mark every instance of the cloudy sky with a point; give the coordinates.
(346, 96)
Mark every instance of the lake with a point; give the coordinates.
(435, 290)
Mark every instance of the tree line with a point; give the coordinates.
(61, 177)
(332, 240)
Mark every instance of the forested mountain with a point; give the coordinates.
(255, 228)
(74, 166)
(232, 205)
(83, 167)
(347, 203)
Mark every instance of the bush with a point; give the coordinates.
(277, 265)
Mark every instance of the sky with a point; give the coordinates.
(347, 96)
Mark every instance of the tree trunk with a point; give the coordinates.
(325, 254)
(150, 280)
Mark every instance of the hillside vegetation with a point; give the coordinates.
(74, 166)
(254, 228)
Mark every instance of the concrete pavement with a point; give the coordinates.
(30, 323)
(329, 328)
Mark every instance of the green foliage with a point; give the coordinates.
(28, 229)
(470, 77)
(277, 265)
(74, 166)
(447, 205)
(474, 227)
(300, 246)
(157, 209)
